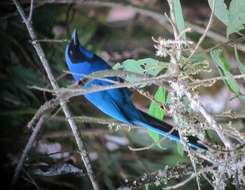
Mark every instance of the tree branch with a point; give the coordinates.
(72, 124)
(26, 151)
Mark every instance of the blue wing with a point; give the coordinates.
(114, 102)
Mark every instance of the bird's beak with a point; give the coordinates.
(75, 42)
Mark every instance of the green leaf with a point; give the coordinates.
(156, 111)
(152, 66)
(156, 137)
(233, 18)
(180, 22)
(213, 137)
(236, 16)
(220, 10)
(241, 66)
(180, 149)
(173, 160)
(133, 66)
(224, 69)
(198, 58)
(146, 66)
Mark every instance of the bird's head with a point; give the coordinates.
(78, 59)
(81, 61)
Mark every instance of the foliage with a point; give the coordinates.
(158, 112)
(180, 22)
(225, 70)
(146, 66)
(241, 66)
(233, 18)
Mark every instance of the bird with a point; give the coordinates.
(116, 103)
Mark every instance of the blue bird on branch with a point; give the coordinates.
(116, 103)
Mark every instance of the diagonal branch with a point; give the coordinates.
(204, 34)
(68, 115)
(195, 104)
(27, 150)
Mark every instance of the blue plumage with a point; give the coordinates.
(116, 103)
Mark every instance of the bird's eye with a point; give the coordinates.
(71, 52)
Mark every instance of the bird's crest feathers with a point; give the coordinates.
(77, 52)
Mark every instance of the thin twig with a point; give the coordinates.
(182, 183)
(153, 144)
(111, 73)
(51, 40)
(196, 106)
(230, 42)
(207, 179)
(208, 80)
(164, 175)
(42, 110)
(103, 121)
(215, 36)
(30, 179)
(231, 116)
(193, 163)
(193, 175)
(30, 12)
(159, 175)
(67, 93)
(26, 151)
(72, 124)
(101, 132)
(204, 34)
